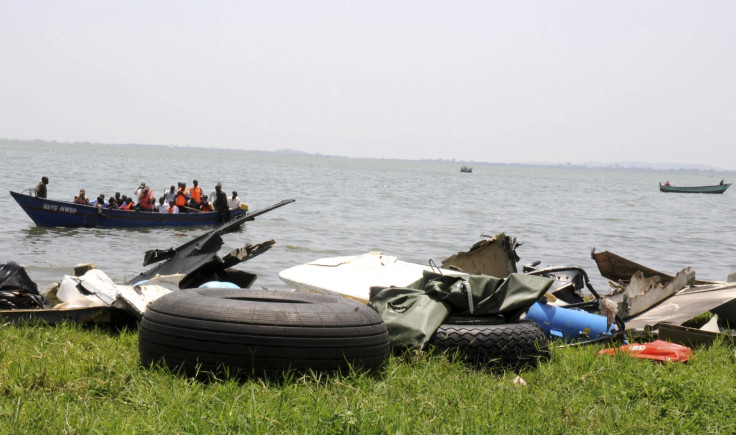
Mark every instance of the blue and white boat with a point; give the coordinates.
(50, 213)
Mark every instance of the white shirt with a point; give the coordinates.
(233, 203)
(168, 196)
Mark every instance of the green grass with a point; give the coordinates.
(68, 379)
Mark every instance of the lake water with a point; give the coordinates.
(416, 211)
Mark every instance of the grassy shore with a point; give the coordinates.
(68, 379)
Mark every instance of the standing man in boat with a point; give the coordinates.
(41, 187)
(146, 201)
(169, 195)
(182, 197)
(139, 190)
(196, 194)
(221, 204)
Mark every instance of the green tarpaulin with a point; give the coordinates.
(413, 314)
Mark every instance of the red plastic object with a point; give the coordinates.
(658, 350)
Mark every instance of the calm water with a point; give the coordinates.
(414, 210)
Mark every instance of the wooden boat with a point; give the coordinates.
(718, 188)
(464, 168)
(51, 213)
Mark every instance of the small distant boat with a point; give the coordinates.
(717, 188)
(464, 168)
(51, 213)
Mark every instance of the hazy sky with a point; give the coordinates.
(498, 81)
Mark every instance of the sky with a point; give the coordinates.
(485, 81)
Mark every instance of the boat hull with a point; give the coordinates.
(718, 188)
(51, 213)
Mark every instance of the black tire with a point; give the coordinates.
(257, 332)
(514, 344)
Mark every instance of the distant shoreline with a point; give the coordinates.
(616, 166)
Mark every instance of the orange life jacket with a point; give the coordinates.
(181, 197)
(147, 201)
(196, 193)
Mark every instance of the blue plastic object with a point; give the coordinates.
(218, 284)
(569, 324)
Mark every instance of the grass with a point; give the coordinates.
(68, 379)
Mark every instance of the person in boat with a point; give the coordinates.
(118, 199)
(139, 190)
(195, 193)
(163, 206)
(169, 195)
(205, 205)
(234, 201)
(41, 188)
(99, 204)
(127, 204)
(100, 199)
(721, 182)
(146, 201)
(112, 204)
(667, 183)
(81, 198)
(182, 196)
(221, 204)
(172, 207)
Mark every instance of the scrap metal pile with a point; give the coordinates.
(477, 302)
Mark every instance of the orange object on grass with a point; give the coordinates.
(658, 350)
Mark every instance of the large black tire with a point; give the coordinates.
(256, 332)
(514, 344)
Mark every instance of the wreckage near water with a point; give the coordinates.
(654, 302)
(644, 299)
